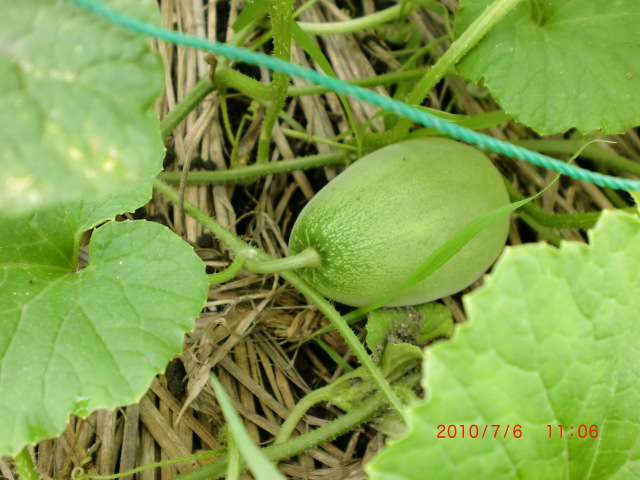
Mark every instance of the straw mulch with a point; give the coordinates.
(250, 326)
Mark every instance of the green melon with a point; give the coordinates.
(376, 222)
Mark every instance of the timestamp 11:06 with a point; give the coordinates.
(580, 431)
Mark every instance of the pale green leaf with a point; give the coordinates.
(562, 64)
(76, 93)
(553, 339)
(72, 341)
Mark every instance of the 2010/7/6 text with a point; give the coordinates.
(476, 431)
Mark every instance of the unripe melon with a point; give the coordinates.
(376, 222)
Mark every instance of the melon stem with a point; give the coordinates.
(309, 257)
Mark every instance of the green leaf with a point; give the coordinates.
(562, 64)
(72, 341)
(251, 12)
(553, 339)
(414, 326)
(75, 107)
(303, 39)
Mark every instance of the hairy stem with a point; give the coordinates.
(471, 36)
(198, 456)
(302, 407)
(227, 77)
(281, 12)
(294, 446)
(228, 273)
(469, 39)
(580, 221)
(223, 76)
(309, 257)
(253, 172)
(303, 287)
(358, 24)
(203, 88)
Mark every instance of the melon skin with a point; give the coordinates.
(377, 221)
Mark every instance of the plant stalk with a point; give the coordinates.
(592, 152)
(256, 171)
(228, 273)
(203, 88)
(358, 24)
(309, 257)
(580, 221)
(298, 412)
(458, 49)
(227, 77)
(303, 287)
(296, 445)
(281, 13)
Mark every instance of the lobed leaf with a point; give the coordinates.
(72, 341)
(560, 65)
(553, 339)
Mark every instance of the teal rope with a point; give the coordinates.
(418, 116)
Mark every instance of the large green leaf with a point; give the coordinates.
(77, 340)
(553, 339)
(75, 99)
(561, 64)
